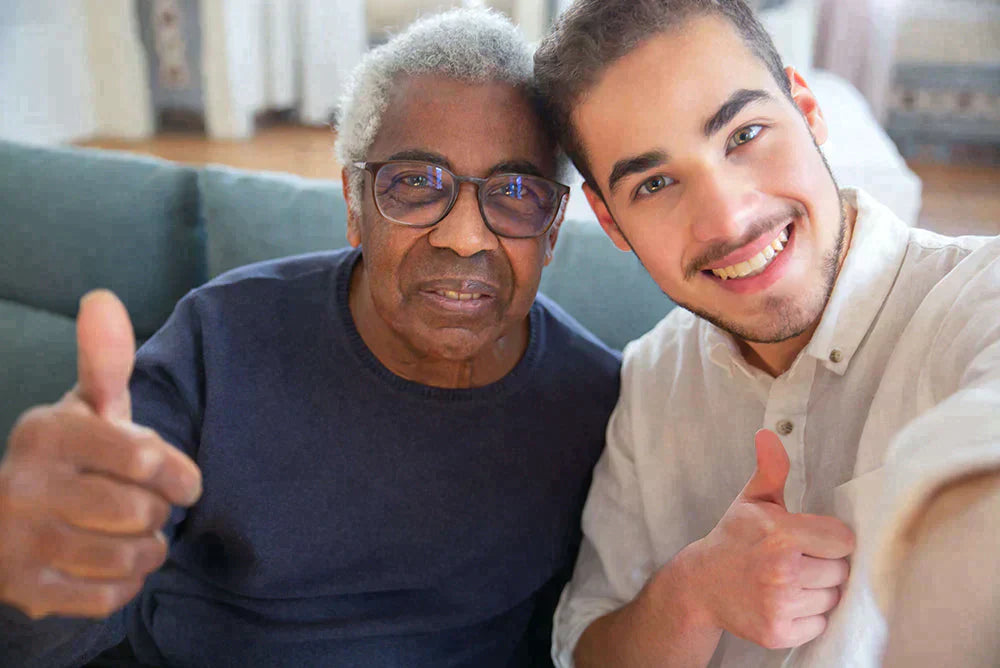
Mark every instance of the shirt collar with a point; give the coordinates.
(878, 245)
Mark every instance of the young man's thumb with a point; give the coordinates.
(768, 482)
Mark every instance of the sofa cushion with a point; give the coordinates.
(607, 290)
(77, 219)
(254, 216)
(38, 358)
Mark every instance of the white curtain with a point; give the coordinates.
(276, 55)
(857, 40)
(334, 38)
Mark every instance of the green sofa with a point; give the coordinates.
(150, 230)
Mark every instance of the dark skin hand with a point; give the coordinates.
(84, 491)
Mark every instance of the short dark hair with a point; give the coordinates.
(592, 34)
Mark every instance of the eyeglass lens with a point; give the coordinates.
(419, 193)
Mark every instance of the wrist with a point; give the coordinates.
(679, 583)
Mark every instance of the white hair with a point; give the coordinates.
(474, 45)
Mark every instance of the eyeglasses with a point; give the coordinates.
(420, 194)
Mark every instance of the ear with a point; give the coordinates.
(604, 218)
(808, 105)
(553, 233)
(353, 224)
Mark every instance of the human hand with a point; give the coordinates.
(84, 491)
(765, 574)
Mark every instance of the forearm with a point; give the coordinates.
(947, 603)
(663, 626)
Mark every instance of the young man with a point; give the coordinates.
(394, 441)
(871, 348)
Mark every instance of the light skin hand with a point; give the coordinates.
(763, 574)
(84, 491)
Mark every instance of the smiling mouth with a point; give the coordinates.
(459, 296)
(758, 263)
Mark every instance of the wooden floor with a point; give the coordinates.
(957, 199)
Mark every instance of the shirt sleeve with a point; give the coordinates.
(958, 436)
(616, 556)
(55, 642)
(168, 384)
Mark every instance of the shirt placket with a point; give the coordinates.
(785, 415)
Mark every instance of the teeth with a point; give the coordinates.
(755, 264)
(460, 296)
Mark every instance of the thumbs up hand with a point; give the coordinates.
(765, 574)
(83, 490)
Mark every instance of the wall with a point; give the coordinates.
(46, 92)
(956, 31)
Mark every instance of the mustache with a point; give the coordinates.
(756, 229)
(486, 266)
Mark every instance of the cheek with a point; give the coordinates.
(795, 169)
(526, 258)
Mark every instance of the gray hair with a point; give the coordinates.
(474, 45)
(592, 34)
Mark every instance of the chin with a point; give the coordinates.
(454, 347)
(785, 319)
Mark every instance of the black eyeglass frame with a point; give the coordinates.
(373, 168)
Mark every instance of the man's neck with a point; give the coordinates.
(775, 359)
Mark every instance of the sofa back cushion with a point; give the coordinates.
(38, 359)
(75, 219)
(254, 216)
(607, 290)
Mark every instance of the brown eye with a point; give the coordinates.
(653, 185)
(744, 135)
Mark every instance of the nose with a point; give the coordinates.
(723, 205)
(463, 230)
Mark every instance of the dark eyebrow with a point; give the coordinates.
(733, 106)
(516, 167)
(633, 165)
(423, 156)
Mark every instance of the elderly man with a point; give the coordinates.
(871, 348)
(392, 442)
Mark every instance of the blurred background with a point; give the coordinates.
(911, 88)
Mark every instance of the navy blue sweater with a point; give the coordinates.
(350, 517)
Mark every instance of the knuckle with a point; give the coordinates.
(50, 544)
(784, 569)
(150, 557)
(774, 607)
(107, 599)
(779, 541)
(144, 512)
(120, 559)
(774, 635)
(33, 429)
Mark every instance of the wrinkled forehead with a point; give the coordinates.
(474, 125)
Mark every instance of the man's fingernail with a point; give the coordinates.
(195, 493)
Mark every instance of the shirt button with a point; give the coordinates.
(785, 427)
(836, 356)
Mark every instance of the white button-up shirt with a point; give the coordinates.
(897, 392)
